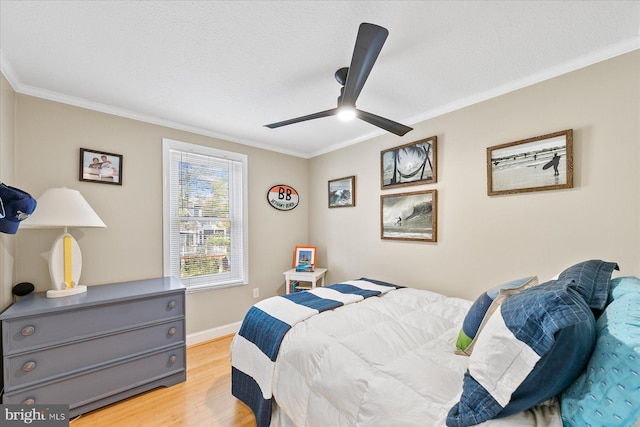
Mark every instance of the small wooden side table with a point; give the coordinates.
(304, 276)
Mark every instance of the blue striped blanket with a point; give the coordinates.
(255, 347)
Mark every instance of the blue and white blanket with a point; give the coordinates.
(255, 347)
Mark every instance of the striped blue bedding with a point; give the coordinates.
(255, 347)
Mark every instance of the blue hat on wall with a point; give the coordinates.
(15, 206)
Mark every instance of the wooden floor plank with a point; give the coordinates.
(203, 400)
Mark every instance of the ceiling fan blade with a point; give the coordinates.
(386, 124)
(369, 43)
(321, 114)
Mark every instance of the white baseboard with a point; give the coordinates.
(210, 334)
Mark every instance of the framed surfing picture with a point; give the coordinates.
(409, 216)
(541, 163)
(342, 192)
(409, 164)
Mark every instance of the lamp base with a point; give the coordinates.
(57, 293)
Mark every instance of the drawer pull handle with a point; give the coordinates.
(172, 331)
(27, 330)
(29, 366)
(172, 359)
(172, 304)
(29, 401)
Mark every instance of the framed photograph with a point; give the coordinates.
(409, 164)
(342, 192)
(304, 258)
(409, 216)
(100, 166)
(535, 164)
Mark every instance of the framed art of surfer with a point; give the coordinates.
(409, 216)
(541, 163)
(342, 192)
(409, 164)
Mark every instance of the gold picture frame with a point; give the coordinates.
(410, 164)
(342, 192)
(535, 164)
(409, 216)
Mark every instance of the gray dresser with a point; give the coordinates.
(93, 349)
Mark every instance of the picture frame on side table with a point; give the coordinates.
(304, 258)
(410, 164)
(409, 216)
(541, 163)
(100, 166)
(342, 192)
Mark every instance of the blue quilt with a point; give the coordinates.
(255, 347)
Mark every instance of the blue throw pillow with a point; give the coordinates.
(622, 286)
(542, 335)
(592, 278)
(483, 308)
(607, 393)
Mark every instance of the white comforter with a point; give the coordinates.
(385, 361)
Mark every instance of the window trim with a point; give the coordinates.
(167, 146)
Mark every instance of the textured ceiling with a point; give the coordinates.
(227, 68)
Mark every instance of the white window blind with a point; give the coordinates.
(205, 215)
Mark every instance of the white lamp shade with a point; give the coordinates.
(62, 207)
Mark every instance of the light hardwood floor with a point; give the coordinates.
(203, 400)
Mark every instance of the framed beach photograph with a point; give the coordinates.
(535, 164)
(409, 164)
(342, 192)
(100, 166)
(409, 216)
(304, 258)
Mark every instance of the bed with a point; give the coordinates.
(369, 353)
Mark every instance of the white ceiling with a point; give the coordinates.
(227, 68)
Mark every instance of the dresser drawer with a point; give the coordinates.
(101, 383)
(25, 369)
(24, 334)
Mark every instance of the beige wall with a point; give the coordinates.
(484, 241)
(48, 138)
(7, 175)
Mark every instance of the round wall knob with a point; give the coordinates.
(172, 331)
(27, 330)
(29, 366)
(172, 304)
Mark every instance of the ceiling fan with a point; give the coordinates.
(369, 43)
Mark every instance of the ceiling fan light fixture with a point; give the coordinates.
(346, 113)
(369, 42)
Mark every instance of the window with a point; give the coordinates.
(205, 216)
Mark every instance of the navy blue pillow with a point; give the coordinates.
(558, 368)
(484, 307)
(592, 279)
(533, 347)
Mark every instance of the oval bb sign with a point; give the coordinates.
(282, 197)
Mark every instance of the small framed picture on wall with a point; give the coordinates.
(342, 192)
(100, 166)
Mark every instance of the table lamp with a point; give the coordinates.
(64, 207)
